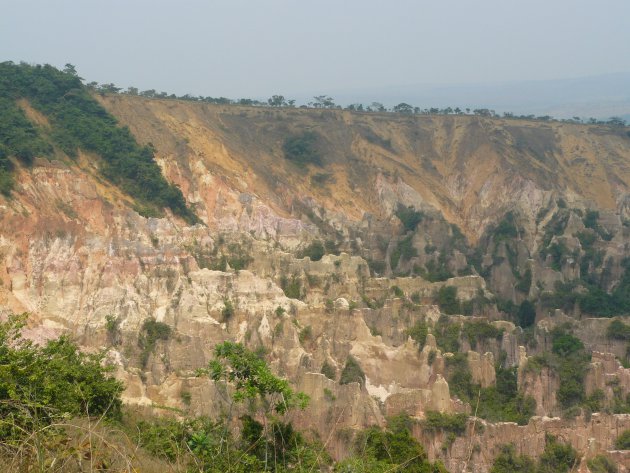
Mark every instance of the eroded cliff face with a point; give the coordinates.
(80, 260)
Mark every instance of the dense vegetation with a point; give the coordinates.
(569, 361)
(393, 449)
(499, 403)
(43, 385)
(352, 372)
(77, 121)
(303, 148)
(43, 388)
(557, 458)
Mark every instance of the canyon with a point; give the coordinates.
(317, 264)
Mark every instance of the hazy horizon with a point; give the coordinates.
(256, 49)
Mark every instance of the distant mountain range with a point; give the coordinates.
(599, 96)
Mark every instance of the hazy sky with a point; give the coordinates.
(255, 48)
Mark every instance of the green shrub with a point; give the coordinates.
(6, 182)
(524, 283)
(409, 217)
(526, 314)
(602, 464)
(437, 421)
(292, 287)
(459, 377)
(557, 457)
(419, 333)
(376, 267)
(447, 300)
(404, 251)
(506, 229)
(252, 379)
(617, 330)
(18, 136)
(565, 344)
(397, 291)
(112, 324)
(509, 462)
(569, 360)
(302, 149)
(315, 251)
(477, 332)
(228, 309)
(590, 219)
(305, 334)
(503, 402)
(329, 305)
(438, 270)
(352, 372)
(393, 449)
(40, 385)
(164, 438)
(447, 334)
(328, 370)
(150, 333)
(623, 441)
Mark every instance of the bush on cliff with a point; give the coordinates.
(352, 372)
(302, 148)
(393, 449)
(556, 458)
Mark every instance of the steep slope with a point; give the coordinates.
(462, 166)
(479, 225)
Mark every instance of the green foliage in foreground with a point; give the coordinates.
(41, 385)
(78, 121)
(210, 447)
(252, 378)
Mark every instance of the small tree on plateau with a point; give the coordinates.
(323, 101)
(70, 69)
(403, 108)
(277, 101)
